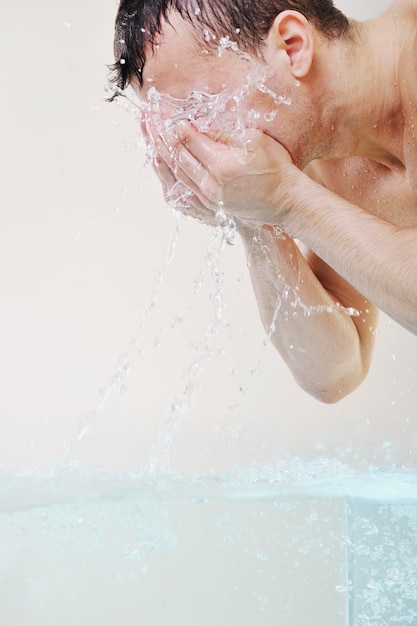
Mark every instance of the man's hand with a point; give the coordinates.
(251, 182)
(177, 195)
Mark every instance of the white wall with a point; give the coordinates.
(83, 229)
(359, 10)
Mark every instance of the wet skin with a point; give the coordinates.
(343, 180)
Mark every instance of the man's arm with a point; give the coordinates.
(301, 302)
(379, 258)
(300, 298)
(260, 184)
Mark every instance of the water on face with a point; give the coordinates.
(227, 113)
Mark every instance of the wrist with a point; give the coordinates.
(290, 198)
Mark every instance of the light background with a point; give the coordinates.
(83, 231)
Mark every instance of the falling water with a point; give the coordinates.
(228, 112)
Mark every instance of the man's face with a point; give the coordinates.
(224, 89)
(179, 66)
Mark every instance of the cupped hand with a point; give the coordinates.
(181, 198)
(252, 182)
(176, 194)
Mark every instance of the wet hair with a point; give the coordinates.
(139, 24)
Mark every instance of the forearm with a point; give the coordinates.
(378, 258)
(316, 337)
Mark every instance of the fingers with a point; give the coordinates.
(204, 150)
(199, 179)
(180, 196)
(178, 157)
(248, 180)
(164, 174)
(210, 167)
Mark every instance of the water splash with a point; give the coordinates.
(227, 224)
(160, 451)
(289, 294)
(227, 112)
(285, 523)
(116, 381)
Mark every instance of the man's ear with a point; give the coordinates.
(291, 34)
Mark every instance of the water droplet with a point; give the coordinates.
(269, 117)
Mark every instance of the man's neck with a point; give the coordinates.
(366, 108)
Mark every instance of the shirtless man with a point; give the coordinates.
(336, 170)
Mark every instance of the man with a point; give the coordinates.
(335, 170)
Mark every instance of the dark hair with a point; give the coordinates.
(139, 23)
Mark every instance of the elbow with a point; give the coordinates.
(336, 389)
(326, 394)
(331, 394)
(336, 372)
